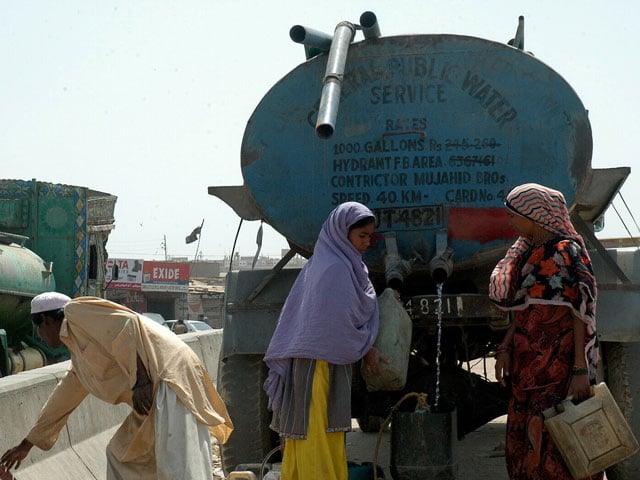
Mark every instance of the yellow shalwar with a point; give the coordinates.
(104, 339)
(322, 455)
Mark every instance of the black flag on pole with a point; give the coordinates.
(194, 235)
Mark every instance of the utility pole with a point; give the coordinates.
(164, 247)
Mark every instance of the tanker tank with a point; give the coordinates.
(432, 133)
(23, 275)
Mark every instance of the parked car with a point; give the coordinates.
(192, 325)
(156, 317)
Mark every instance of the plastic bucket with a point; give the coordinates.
(423, 446)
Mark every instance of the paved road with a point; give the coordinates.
(479, 453)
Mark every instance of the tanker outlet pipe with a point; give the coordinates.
(369, 24)
(441, 265)
(332, 82)
(314, 41)
(395, 268)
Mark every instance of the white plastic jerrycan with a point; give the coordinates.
(393, 341)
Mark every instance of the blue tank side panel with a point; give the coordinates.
(432, 132)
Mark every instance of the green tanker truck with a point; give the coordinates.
(52, 237)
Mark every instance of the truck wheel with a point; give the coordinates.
(622, 376)
(240, 384)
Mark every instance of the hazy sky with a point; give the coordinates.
(148, 100)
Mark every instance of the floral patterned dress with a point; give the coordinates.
(542, 360)
(547, 287)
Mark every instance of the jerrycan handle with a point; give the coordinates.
(562, 406)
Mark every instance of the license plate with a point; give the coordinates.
(429, 216)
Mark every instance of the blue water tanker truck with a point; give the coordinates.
(431, 132)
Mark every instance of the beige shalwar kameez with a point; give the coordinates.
(104, 339)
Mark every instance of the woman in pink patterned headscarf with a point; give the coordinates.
(550, 350)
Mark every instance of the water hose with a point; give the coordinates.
(267, 457)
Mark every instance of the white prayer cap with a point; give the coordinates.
(48, 301)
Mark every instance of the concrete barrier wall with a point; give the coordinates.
(79, 453)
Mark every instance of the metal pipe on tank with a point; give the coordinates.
(314, 41)
(26, 359)
(518, 40)
(369, 24)
(332, 83)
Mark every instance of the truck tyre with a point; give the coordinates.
(240, 384)
(622, 376)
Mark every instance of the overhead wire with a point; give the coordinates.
(634, 239)
(629, 210)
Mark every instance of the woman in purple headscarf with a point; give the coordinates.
(550, 350)
(329, 321)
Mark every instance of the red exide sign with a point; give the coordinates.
(165, 276)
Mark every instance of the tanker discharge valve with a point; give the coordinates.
(395, 267)
(441, 265)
